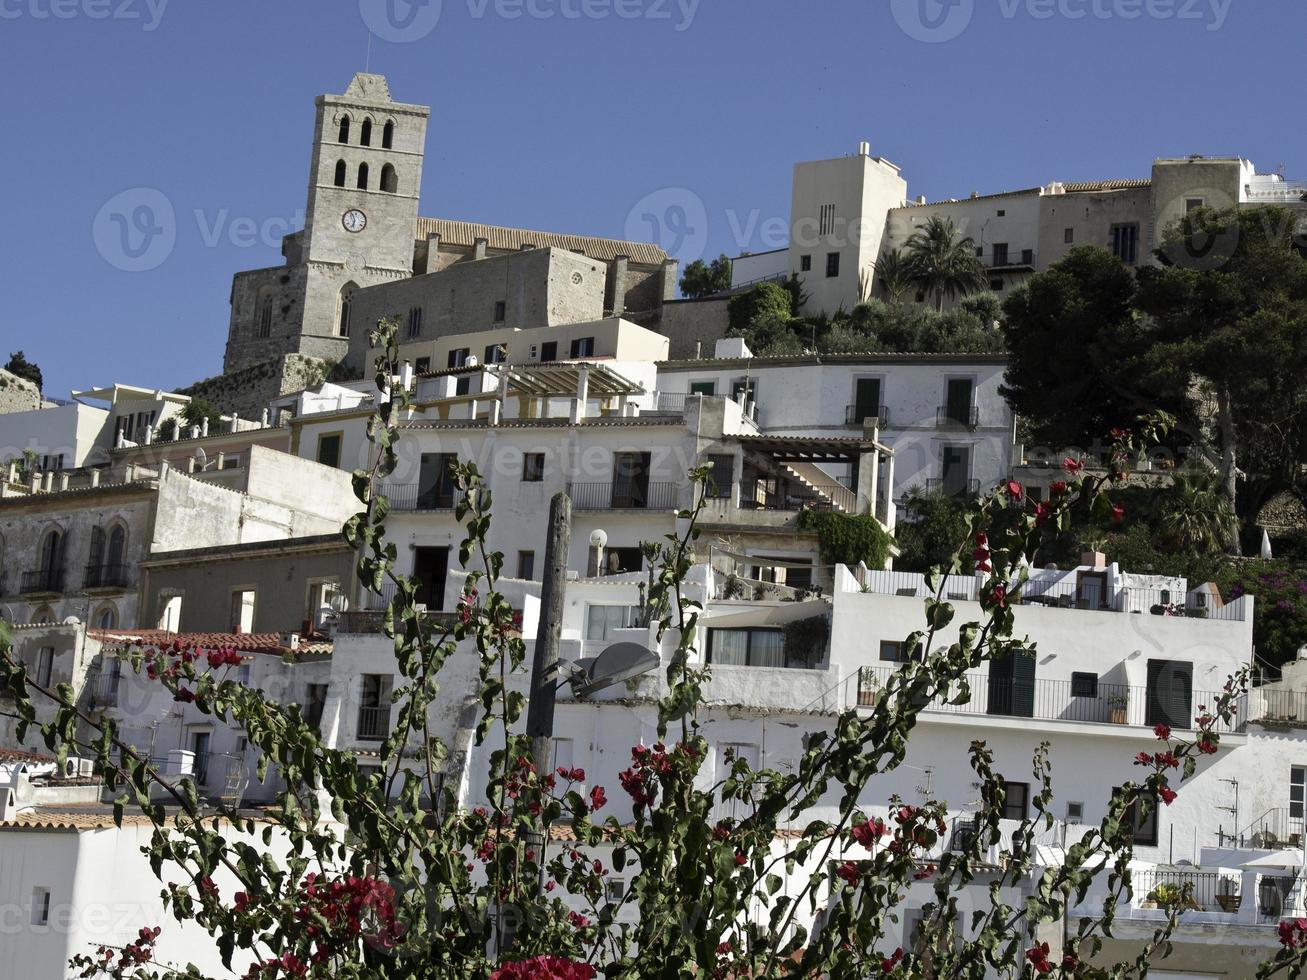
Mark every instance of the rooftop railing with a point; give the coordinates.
(418, 497)
(624, 496)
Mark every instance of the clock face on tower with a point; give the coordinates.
(354, 220)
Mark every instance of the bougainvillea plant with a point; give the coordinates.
(387, 875)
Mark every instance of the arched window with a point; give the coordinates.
(365, 133)
(52, 550)
(263, 314)
(363, 176)
(344, 129)
(44, 616)
(346, 302)
(106, 617)
(116, 556)
(340, 173)
(388, 135)
(415, 322)
(389, 180)
(95, 558)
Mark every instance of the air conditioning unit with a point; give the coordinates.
(72, 767)
(86, 767)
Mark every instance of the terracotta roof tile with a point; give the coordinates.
(269, 643)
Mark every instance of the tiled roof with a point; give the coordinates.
(243, 642)
(1076, 187)
(89, 818)
(11, 756)
(512, 239)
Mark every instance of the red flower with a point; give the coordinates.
(597, 798)
(578, 920)
(1013, 489)
(999, 596)
(1163, 732)
(1072, 466)
(1143, 759)
(1056, 489)
(888, 964)
(1167, 794)
(544, 968)
(869, 832)
(184, 695)
(740, 859)
(849, 872)
(1037, 957)
(1118, 512)
(1043, 511)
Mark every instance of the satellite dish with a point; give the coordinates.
(201, 457)
(339, 603)
(620, 662)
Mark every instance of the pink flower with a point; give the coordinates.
(1013, 489)
(1072, 466)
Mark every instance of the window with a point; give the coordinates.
(415, 322)
(866, 400)
(1000, 254)
(436, 485)
(44, 666)
(40, 906)
(703, 387)
(344, 130)
(346, 302)
(1297, 786)
(1002, 213)
(422, 365)
(805, 263)
(1170, 693)
(827, 220)
(748, 647)
(496, 353)
(107, 619)
(891, 651)
(549, 351)
(618, 561)
(374, 708)
(388, 136)
(315, 699)
(365, 133)
(526, 565)
(458, 357)
(583, 347)
(363, 176)
(463, 386)
(320, 596)
(1016, 801)
(1125, 243)
(1012, 686)
(329, 449)
(1075, 812)
(340, 173)
(601, 621)
(722, 475)
(744, 388)
(242, 611)
(1144, 826)
(832, 265)
(501, 310)
(533, 467)
(958, 396)
(996, 285)
(1069, 236)
(1193, 204)
(1084, 685)
(265, 315)
(980, 253)
(389, 180)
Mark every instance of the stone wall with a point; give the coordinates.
(17, 394)
(248, 391)
(693, 326)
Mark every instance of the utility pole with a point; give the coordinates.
(549, 631)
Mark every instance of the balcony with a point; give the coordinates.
(373, 724)
(102, 689)
(1054, 700)
(630, 495)
(107, 577)
(954, 488)
(1005, 260)
(793, 496)
(957, 417)
(43, 581)
(417, 497)
(672, 402)
(857, 414)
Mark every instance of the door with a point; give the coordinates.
(429, 568)
(200, 746)
(956, 470)
(631, 480)
(1091, 590)
(957, 403)
(866, 399)
(436, 481)
(1170, 693)
(1012, 686)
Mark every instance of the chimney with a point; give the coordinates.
(406, 375)
(433, 254)
(864, 149)
(479, 249)
(95, 477)
(670, 269)
(618, 273)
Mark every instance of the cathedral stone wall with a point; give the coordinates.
(247, 392)
(17, 394)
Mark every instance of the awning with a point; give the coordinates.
(812, 449)
(770, 614)
(1288, 858)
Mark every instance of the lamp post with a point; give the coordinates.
(598, 541)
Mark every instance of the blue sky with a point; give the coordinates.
(563, 115)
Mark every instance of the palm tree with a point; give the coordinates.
(1195, 514)
(943, 263)
(894, 274)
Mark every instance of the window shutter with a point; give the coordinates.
(1170, 693)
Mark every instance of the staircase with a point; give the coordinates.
(828, 493)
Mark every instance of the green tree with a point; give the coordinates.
(927, 535)
(764, 301)
(704, 279)
(1194, 514)
(942, 262)
(894, 274)
(21, 366)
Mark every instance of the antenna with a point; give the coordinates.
(367, 64)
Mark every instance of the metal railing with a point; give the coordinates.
(43, 580)
(1053, 700)
(107, 577)
(102, 689)
(1278, 896)
(757, 495)
(957, 417)
(1005, 260)
(672, 401)
(855, 415)
(1275, 829)
(1199, 891)
(373, 724)
(623, 496)
(415, 496)
(1286, 707)
(954, 488)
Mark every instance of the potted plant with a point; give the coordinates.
(1117, 704)
(868, 688)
